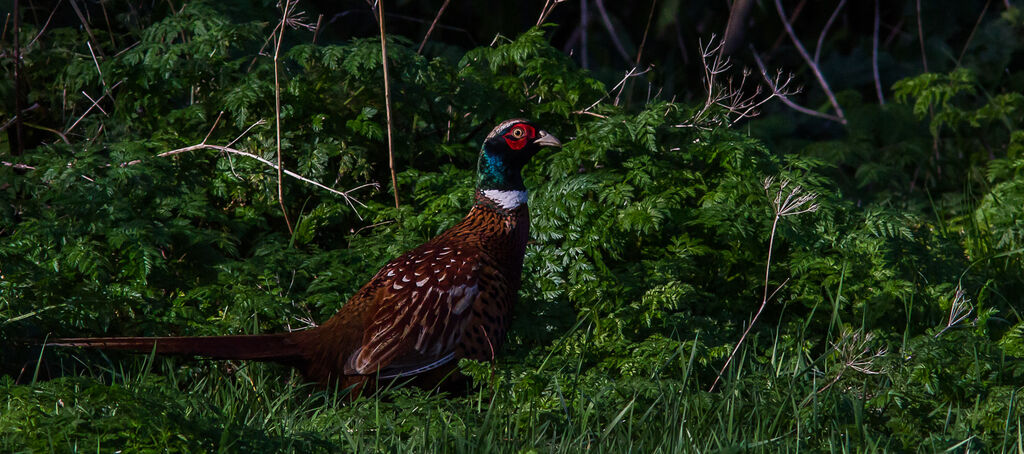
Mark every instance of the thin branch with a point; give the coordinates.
(17, 165)
(94, 104)
(19, 97)
(874, 56)
(824, 30)
(920, 37)
(387, 97)
(545, 11)
(106, 18)
(727, 93)
(13, 119)
(277, 111)
(810, 62)
(85, 24)
(647, 28)
(258, 123)
(973, 30)
(611, 29)
(792, 20)
(47, 24)
(629, 74)
(204, 146)
(214, 126)
(785, 98)
(316, 31)
(432, 25)
(794, 204)
(44, 128)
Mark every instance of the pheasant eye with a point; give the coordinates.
(518, 133)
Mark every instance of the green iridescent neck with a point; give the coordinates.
(495, 172)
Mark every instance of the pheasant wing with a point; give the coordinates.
(423, 305)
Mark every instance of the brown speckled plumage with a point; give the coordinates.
(450, 298)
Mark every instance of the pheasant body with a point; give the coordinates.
(450, 298)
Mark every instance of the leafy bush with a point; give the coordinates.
(893, 323)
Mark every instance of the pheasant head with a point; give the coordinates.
(506, 150)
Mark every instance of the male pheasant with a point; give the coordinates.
(447, 299)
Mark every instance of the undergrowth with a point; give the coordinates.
(893, 323)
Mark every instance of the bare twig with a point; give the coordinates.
(19, 97)
(432, 25)
(825, 29)
(94, 104)
(44, 128)
(351, 201)
(793, 204)
(814, 66)
(316, 31)
(724, 92)
(792, 20)
(852, 351)
(643, 41)
(611, 29)
(377, 224)
(959, 310)
(13, 119)
(973, 31)
(258, 123)
(85, 24)
(106, 18)
(633, 72)
(584, 26)
(387, 97)
(17, 165)
(215, 126)
(277, 110)
(874, 56)
(785, 98)
(549, 6)
(47, 24)
(920, 37)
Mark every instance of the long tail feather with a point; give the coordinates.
(266, 347)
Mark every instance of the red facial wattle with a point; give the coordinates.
(519, 136)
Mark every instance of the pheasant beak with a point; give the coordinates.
(546, 140)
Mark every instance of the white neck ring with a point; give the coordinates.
(506, 199)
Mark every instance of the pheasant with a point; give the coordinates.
(447, 299)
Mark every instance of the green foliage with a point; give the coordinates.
(648, 254)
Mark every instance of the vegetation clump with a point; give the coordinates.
(143, 199)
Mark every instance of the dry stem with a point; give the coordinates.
(387, 98)
(432, 25)
(277, 110)
(784, 97)
(728, 94)
(810, 62)
(874, 56)
(794, 204)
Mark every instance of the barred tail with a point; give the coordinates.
(279, 347)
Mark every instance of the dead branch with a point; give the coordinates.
(387, 97)
(725, 92)
(841, 118)
(545, 11)
(287, 7)
(432, 25)
(611, 29)
(874, 56)
(785, 98)
(351, 201)
(825, 29)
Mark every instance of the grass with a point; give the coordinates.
(159, 404)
